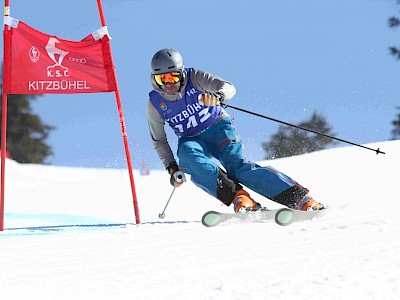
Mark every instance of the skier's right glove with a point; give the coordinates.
(209, 99)
(177, 177)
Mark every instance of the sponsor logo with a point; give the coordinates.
(34, 54)
(77, 60)
(163, 106)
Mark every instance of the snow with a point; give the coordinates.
(350, 253)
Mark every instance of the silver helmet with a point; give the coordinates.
(165, 61)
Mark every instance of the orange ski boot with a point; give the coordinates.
(308, 203)
(243, 203)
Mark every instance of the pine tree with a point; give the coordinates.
(26, 133)
(289, 141)
(396, 129)
(394, 22)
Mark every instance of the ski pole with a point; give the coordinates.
(162, 215)
(302, 128)
(179, 179)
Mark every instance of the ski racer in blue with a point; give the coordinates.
(188, 100)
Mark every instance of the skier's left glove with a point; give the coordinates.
(208, 99)
(177, 177)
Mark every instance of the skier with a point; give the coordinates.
(189, 100)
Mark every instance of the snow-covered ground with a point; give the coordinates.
(350, 253)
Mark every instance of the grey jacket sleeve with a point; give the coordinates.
(207, 82)
(158, 136)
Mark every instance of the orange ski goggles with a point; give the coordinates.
(171, 78)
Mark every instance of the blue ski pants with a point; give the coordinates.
(198, 157)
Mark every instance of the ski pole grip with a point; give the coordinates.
(179, 178)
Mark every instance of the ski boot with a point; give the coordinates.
(242, 203)
(308, 203)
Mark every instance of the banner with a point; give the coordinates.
(37, 63)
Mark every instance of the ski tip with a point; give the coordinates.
(211, 218)
(284, 217)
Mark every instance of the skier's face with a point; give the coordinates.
(171, 88)
(169, 82)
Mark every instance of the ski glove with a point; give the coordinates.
(177, 177)
(208, 99)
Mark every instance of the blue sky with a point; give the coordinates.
(287, 59)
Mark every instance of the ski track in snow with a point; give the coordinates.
(349, 253)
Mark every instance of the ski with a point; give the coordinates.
(282, 216)
(214, 218)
